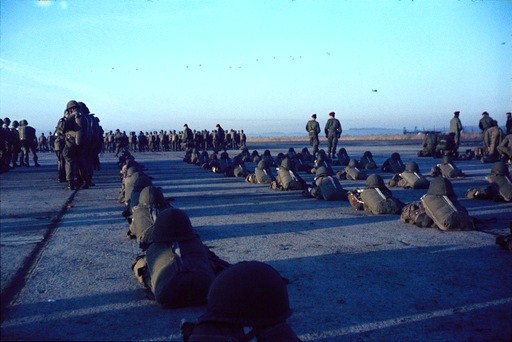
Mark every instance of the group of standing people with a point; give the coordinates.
(17, 140)
(79, 140)
(332, 132)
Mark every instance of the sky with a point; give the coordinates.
(258, 65)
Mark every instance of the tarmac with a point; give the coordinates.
(66, 260)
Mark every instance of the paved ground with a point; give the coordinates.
(66, 261)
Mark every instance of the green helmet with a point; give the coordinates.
(412, 167)
(440, 186)
(395, 156)
(375, 181)
(172, 225)
(499, 168)
(250, 293)
(152, 197)
(71, 104)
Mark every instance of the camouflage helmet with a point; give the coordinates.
(152, 196)
(368, 154)
(172, 225)
(412, 167)
(395, 156)
(71, 104)
(15, 124)
(250, 293)
(446, 159)
(23, 123)
(321, 172)
(499, 168)
(440, 186)
(375, 181)
(352, 163)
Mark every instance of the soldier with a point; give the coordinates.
(243, 139)
(456, 127)
(246, 302)
(508, 124)
(218, 143)
(51, 141)
(505, 148)
(15, 143)
(28, 141)
(187, 137)
(70, 147)
(58, 147)
(43, 143)
(485, 122)
(332, 133)
(313, 129)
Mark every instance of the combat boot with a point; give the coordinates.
(70, 186)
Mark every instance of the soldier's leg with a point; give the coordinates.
(334, 144)
(69, 155)
(329, 146)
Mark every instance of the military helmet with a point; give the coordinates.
(23, 123)
(375, 181)
(82, 107)
(7, 121)
(440, 186)
(152, 196)
(172, 225)
(499, 168)
(305, 150)
(15, 124)
(321, 172)
(412, 166)
(352, 163)
(250, 293)
(71, 104)
(368, 154)
(266, 153)
(395, 156)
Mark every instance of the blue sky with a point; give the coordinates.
(262, 66)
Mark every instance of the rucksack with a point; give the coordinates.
(378, 202)
(447, 213)
(331, 189)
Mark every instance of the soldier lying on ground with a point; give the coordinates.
(439, 207)
(410, 178)
(352, 172)
(178, 268)
(325, 187)
(376, 198)
(447, 169)
(500, 187)
(247, 302)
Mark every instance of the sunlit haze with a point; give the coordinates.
(261, 66)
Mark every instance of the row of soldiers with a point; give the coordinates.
(376, 197)
(174, 141)
(17, 140)
(244, 301)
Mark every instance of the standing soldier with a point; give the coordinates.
(28, 141)
(456, 128)
(243, 139)
(220, 138)
(43, 143)
(58, 147)
(313, 128)
(187, 137)
(508, 124)
(15, 143)
(332, 133)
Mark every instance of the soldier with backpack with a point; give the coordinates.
(376, 198)
(247, 302)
